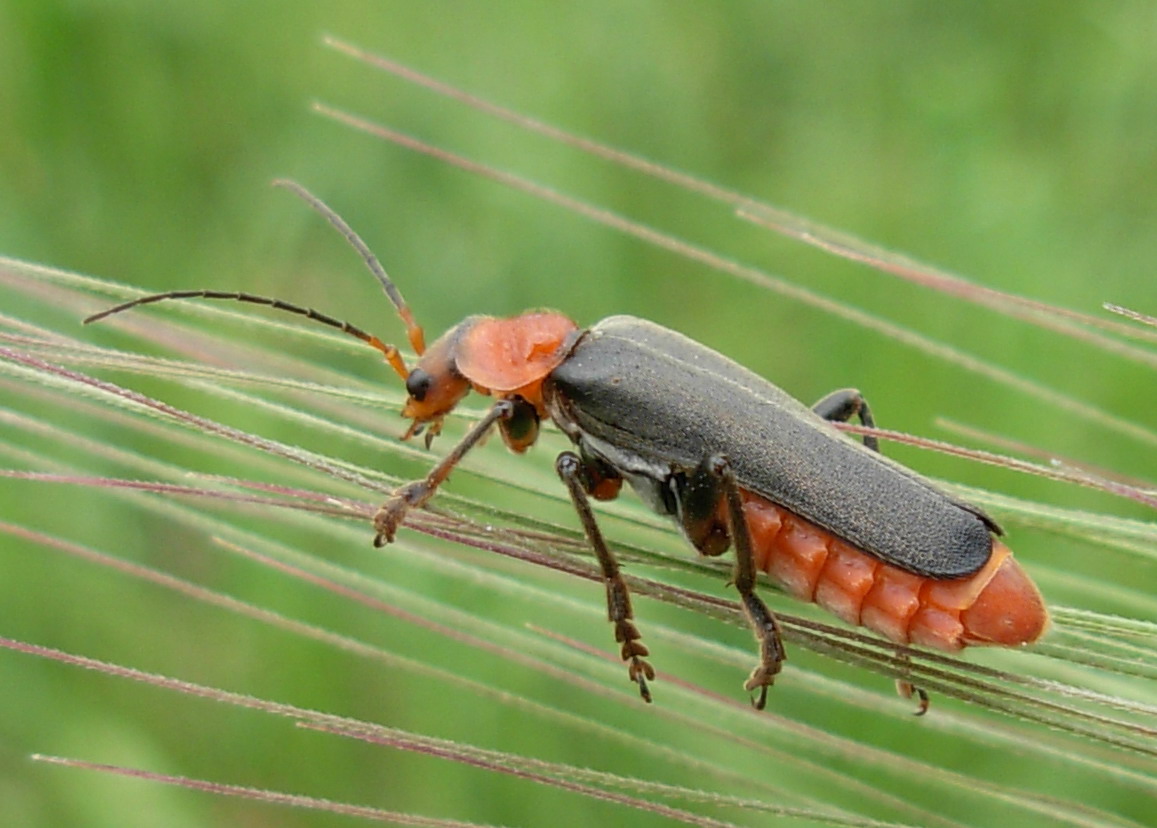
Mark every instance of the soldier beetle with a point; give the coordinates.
(734, 460)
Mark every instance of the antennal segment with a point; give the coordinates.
(389, 351)
(413, 329)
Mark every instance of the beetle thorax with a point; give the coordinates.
(512, 356)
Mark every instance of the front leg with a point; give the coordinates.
(415, 494)
(570, 468)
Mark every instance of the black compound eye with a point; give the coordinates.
(418, 384)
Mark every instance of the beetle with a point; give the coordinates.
(734, 460)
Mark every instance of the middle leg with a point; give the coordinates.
(570, 468)
(699, 494)
(771, 651)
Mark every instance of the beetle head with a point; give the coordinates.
(435, 384)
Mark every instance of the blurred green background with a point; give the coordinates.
(1014, 144)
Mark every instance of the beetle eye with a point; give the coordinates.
(418, 384)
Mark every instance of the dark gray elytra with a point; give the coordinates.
(650, 400)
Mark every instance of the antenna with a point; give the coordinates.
(393, 357)
(413, 329)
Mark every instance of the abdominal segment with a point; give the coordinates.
(997, 605)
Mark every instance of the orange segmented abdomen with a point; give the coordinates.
(998, 604)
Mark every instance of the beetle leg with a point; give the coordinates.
(697, 509)
(520, 429)
(570, 468)
(907, 689)
(599, 479)
(414, 494)
(763, 623)
(840, 406)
